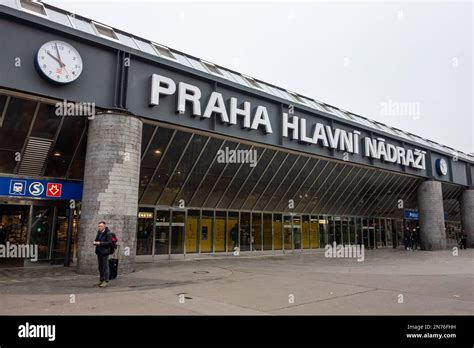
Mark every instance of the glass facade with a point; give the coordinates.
(214, 231)
(228, 205)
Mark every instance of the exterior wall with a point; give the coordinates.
(430, 206)
(467, 215)
(111, 187)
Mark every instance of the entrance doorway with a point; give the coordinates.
(13, 228)
(44, 224)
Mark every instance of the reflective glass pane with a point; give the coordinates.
(65, 146)
(145, 231)
(314, 232)
(147, 133)
(166, 167)
(256, 238)
(190, 188)
(177, 232)
(7, 161)
(233, 231)
(207, 232)
(285, 184)
(220, 189)
(265, 178)
(76, 170)
(323, 231)
(192, 231)
(200, 197)
(266, 197)
(126, 40)
(162, 231)
(16, 123)
(237, 181)
(277, 232)
(82, 25)
(46, 123)
(297, 232)
(305, 231)
(267, 232)
(182, 170)
(287, 232)
(220, 231)
(40, 233)
(145, 47)
(244, 231)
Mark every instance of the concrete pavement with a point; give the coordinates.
(389, 282)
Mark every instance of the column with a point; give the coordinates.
(430, 207)
(467, 215)
(111, 180)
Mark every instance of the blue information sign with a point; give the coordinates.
(412, 214)
(43, 189)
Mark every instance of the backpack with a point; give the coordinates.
(114, 242)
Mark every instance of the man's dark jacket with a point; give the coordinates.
(105, 239)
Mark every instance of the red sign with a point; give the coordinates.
(53, 190)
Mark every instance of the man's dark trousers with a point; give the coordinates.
(103, 261)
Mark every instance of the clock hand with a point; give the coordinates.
(67, 72)
(59, 56)
(56, 59)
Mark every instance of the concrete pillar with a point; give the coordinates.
(430, 207)
(467, 215)
(111, 179)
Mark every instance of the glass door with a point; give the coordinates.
(13, 228)
(297, 232)
(162, 231)
(59, 238)
(287, 232)
(41, 225)
(145, 231)
(177, 232)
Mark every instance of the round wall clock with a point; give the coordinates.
(441, 166)
(58, 62)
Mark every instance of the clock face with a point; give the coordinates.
(442, 166)
(59, 62)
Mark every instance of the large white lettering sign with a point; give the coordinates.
(296, 128)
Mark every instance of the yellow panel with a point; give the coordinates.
(287, 238)
(206, 238)
(277, 235)
(220, 235)
(257, 235)
(305, 231)
(191, 234)
(314, 236)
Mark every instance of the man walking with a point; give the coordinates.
(103, 243)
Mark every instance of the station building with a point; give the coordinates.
(182, 157)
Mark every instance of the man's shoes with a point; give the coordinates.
(104, 284)
(99, 283)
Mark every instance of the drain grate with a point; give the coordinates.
(201, 272)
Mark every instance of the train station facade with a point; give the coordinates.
(182, 157)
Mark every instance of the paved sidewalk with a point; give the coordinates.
(432, 283)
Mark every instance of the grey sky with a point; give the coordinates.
(359, 56)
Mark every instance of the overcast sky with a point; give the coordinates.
(366, 57)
